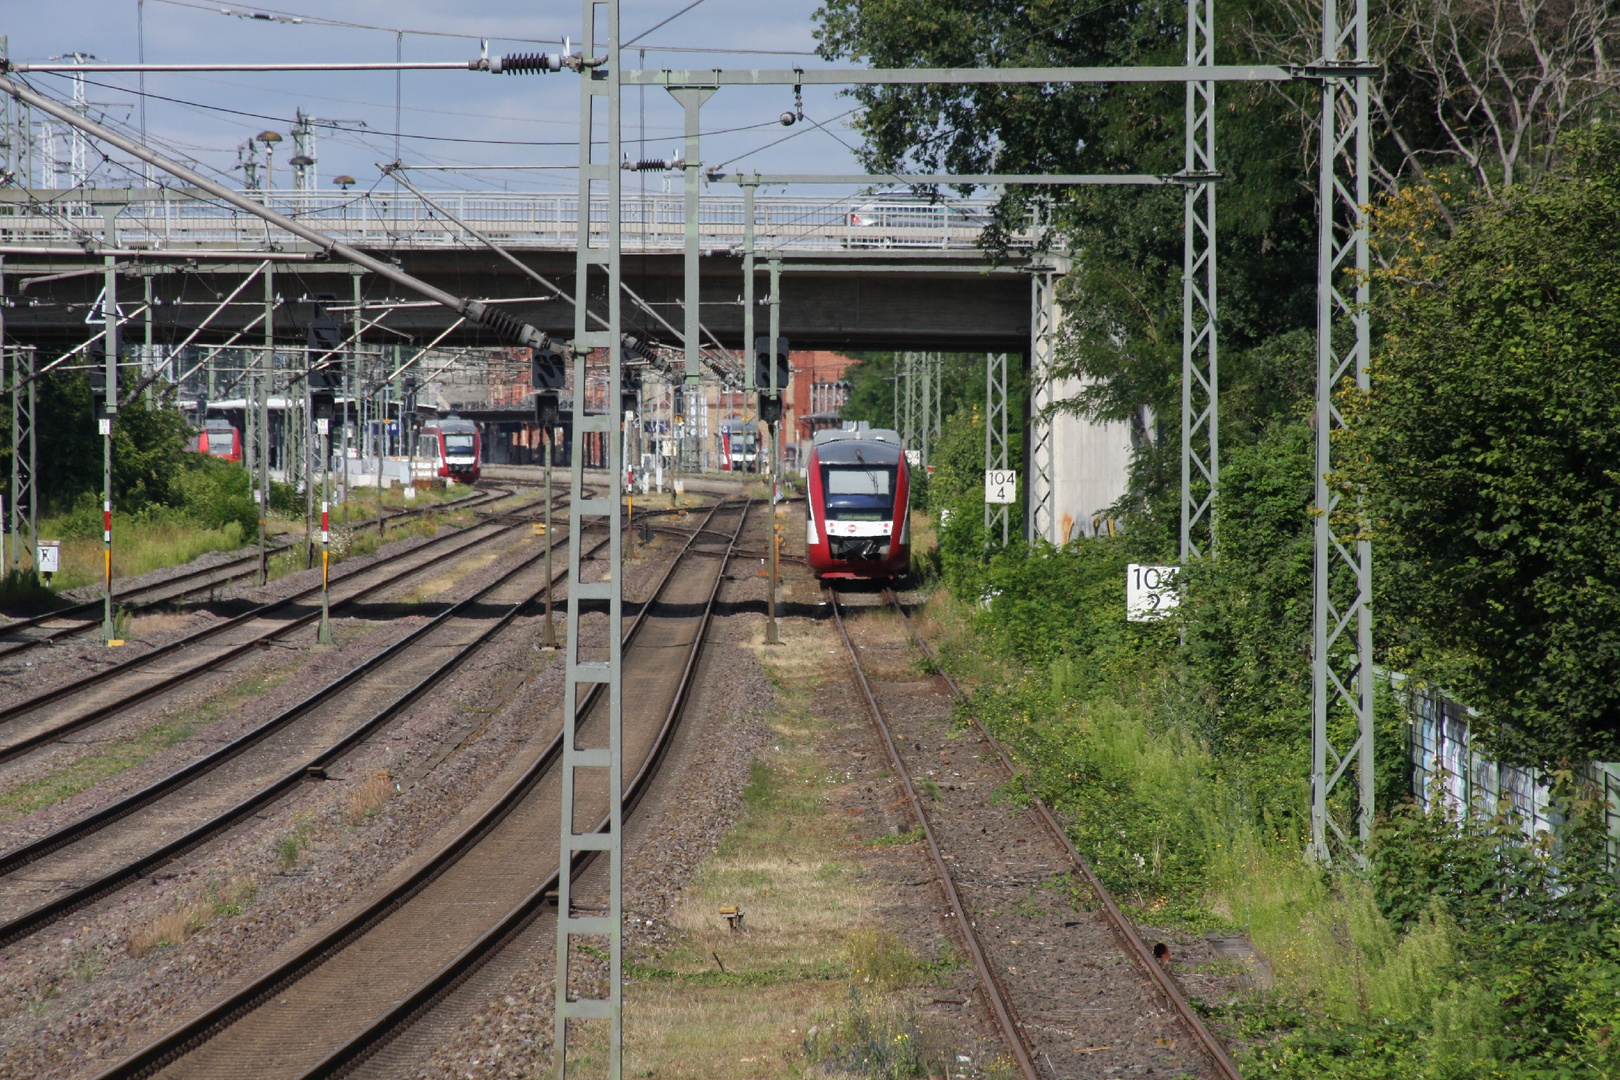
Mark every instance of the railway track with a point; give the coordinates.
(86, 616)
(49, 716)
(112, 847)
(387, 962)
(1026, 1050)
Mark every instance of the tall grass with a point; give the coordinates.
(1177, 836)
(141, 544)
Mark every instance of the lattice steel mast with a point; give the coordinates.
(995, 441)
(1341, 642)
(598, 176)
(1200, 384)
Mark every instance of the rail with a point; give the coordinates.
(114, 878)
(410, 1003)
(534, 220)
(148, 684)
(1137, 947)
(145, 597)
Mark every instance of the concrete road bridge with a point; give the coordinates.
(860, 271)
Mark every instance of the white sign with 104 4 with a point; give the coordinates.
(1000, 486)
(1150, 592)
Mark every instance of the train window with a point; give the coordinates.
(427, 446)
(859, 481)
(458, 443)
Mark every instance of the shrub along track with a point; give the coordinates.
(387, 963)
(86, 616)
(47, 717)
(1055, 986)
(112, 847)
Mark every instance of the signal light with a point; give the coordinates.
(546, 411)
(325, 337)
(546, 367)
(98, 380)
(762, 364)
(770, 405)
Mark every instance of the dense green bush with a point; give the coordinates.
(1489, 448)
(215, 493)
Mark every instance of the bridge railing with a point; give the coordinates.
(522, 220)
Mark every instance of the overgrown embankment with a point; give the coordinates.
(1462, 952)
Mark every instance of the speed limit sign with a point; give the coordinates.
(1000, 486)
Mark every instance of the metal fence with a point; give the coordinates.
(521, 220)
(1447, 769)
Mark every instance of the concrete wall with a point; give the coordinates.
(1090, 465)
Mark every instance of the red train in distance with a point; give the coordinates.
(218, 438)
(858, 514)
(454, 446)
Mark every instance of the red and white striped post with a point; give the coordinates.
(324, 635)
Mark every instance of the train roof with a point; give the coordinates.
(828, 435)
(860, 451)
(451, 423)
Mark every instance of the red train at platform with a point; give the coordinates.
(454, 447)
(858, 514)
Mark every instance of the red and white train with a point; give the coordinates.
(453, 446)
(218, 438)
(858, 515)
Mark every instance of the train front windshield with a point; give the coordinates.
(457, 444)
(858, 492)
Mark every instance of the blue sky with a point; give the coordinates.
(534, 116)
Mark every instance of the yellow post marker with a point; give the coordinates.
(112, 642)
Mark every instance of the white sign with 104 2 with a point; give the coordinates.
(1150, 592)
(1000, 486)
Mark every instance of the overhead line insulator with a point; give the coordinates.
(525, 64)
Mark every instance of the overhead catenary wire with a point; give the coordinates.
(476, 312)
(659, 25)
(374, 132)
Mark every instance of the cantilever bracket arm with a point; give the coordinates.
(947, 179)
(957, 76)
(1319, 70)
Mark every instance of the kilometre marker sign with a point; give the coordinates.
(1000, 486)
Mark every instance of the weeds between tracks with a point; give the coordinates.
(816, 979)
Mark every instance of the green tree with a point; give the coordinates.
(1122, 299)
(1489, 452)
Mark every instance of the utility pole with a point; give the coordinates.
(926, 363)
(351, 380)
(749, 389)
(304, 468)
(267, 367)
(548, 434)
(772, 636)
(382, 438)
(324, 427)
(109, 310)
